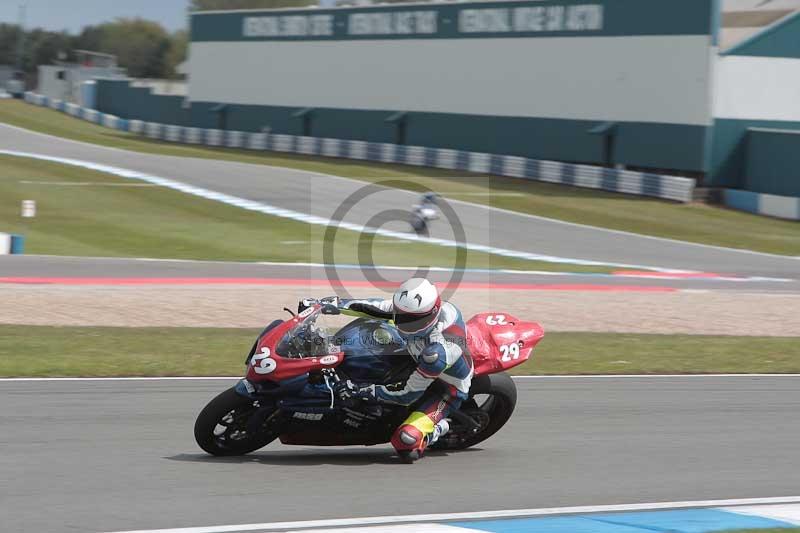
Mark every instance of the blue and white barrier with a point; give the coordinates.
(11, 244)
(610, 179)
(787, 207)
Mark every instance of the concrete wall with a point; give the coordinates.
(773, 162)
(787, 207)
(567, 78)
(63, 82)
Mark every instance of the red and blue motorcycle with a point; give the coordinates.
(294, 366)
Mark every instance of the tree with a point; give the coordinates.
(143, 47)
(45, 47)
(212, 5)
(140, 45)
(9, 37)
(176, 54)
(90, 38)
(40, 47)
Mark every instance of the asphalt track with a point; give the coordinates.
(48, 267)
(90, 456)
(321, 195)
(84, 456)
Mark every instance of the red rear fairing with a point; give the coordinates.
(499, 341)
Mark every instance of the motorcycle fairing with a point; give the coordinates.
(267, 365)
(499, 341)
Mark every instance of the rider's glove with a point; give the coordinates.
(347, 390)
(332, 300)
(367, 394)
(305, 303)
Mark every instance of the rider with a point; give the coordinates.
(436, 338)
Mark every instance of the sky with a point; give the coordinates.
(72, 15)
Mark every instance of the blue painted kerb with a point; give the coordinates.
(672, 521)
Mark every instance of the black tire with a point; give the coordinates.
(499, 407)
(235, 438)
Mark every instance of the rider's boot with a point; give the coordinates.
(406, 437)
(439, 430)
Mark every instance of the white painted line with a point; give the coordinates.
(481, 515)
(268, 209)
(403, 528)
(785, 513)
(86, 184)
(576, 376)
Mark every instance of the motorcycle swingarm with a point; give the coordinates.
(465, 420)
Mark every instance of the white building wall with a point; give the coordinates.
(633, 78)
(758, 88)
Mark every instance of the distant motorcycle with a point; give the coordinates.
(293, 366)
(424, 212)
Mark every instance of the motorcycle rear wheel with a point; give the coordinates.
(501, 399)
(223, 426)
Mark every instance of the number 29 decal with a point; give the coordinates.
(263, 363)
(509, 352)
(496, 320)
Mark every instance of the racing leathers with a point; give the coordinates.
(441, 378)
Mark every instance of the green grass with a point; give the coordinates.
(118, 218)
(102, 351)
(691, 222)
(615, 353)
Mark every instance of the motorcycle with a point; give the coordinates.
(294, 365)
(423, 213)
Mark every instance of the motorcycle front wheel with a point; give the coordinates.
(226, 426)
(491, 403)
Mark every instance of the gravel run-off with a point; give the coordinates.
(711, 313)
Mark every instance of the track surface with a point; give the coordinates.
(320, 195)
(108, 456)
(26, 266)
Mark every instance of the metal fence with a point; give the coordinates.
(674, 188)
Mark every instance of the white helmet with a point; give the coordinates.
(416, 306)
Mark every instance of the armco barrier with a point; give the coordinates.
(610, 179)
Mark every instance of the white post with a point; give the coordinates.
(28, 208)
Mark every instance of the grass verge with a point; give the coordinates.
(103, 351)
(690, 222)
(87, 213)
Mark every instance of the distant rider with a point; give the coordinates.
(436, 338)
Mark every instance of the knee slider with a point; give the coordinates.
(407, 438)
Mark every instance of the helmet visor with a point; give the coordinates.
(410, 324)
